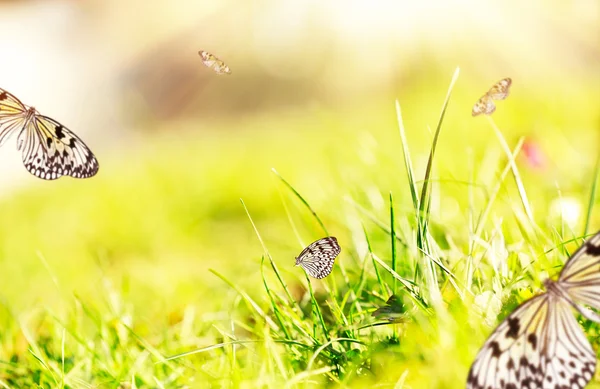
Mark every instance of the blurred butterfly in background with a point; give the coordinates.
(497, 92)
(317, 259)
(540, 344)
(393, 311)
(211, 61)
(49, 149)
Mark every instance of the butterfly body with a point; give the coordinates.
(540, 344)
(318, 257)
(49, 149)
(498, 91)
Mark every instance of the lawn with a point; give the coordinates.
(173, 267)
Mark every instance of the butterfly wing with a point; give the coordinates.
(539, 345)
(10, 105)
(581, 274)
(12, 115)
(483, 105)
(211, 61)
(500, 89)
(50, 151)
(318, 257)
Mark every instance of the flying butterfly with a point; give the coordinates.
(318, 257)
(540, 344)
(498, 91)
(49, 150)
(211, 61)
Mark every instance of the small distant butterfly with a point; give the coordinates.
(540, 344)
(317, 259)
(497, 92)
(211, 61)
(49, 149)
(393, 311)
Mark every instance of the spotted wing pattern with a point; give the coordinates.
(211, 61)
(49, 150)
(318, 257)
(540, 344)
(12, 115)
(581, 274)
(484, 105)
(499, 91)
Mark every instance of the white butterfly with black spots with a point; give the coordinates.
(318, 257)
(499, 91)
(49, 149)
(540, 344)
(211, 61)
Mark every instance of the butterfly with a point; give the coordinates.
(318, 257)
(211, 61)
(540, 344)
(499, 91)
(393, 311)
(49, 149)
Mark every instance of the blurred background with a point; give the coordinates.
(311, 94)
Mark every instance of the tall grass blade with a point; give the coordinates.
(251, 303)
(516, 175)
(407, 160)
(592, 199)
(422, 216)
(291, 300)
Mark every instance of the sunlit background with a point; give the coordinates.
(312, 95)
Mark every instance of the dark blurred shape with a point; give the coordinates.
(165, 80)
(393, 311)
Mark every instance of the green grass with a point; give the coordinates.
(155, 275)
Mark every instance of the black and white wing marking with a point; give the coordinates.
(318, 257)
(12, 115)
(581, 274)
(539, 345)
(51, 150)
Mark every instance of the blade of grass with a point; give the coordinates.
(407, 160)
(378, 223)
(592, 199)
(515, 171)
(326, 345)
(392, 234)
(251, 303)
(425, 203)
(316, 309)
(274, 306)
(408, 285)
(422, 216)
(225, 344)
(494, 192)
(291, 300)
(289, 216)
(295, 192)
(384, 291)
(307, 374)
(471, 200)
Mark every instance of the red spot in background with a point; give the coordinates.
(533, 154)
